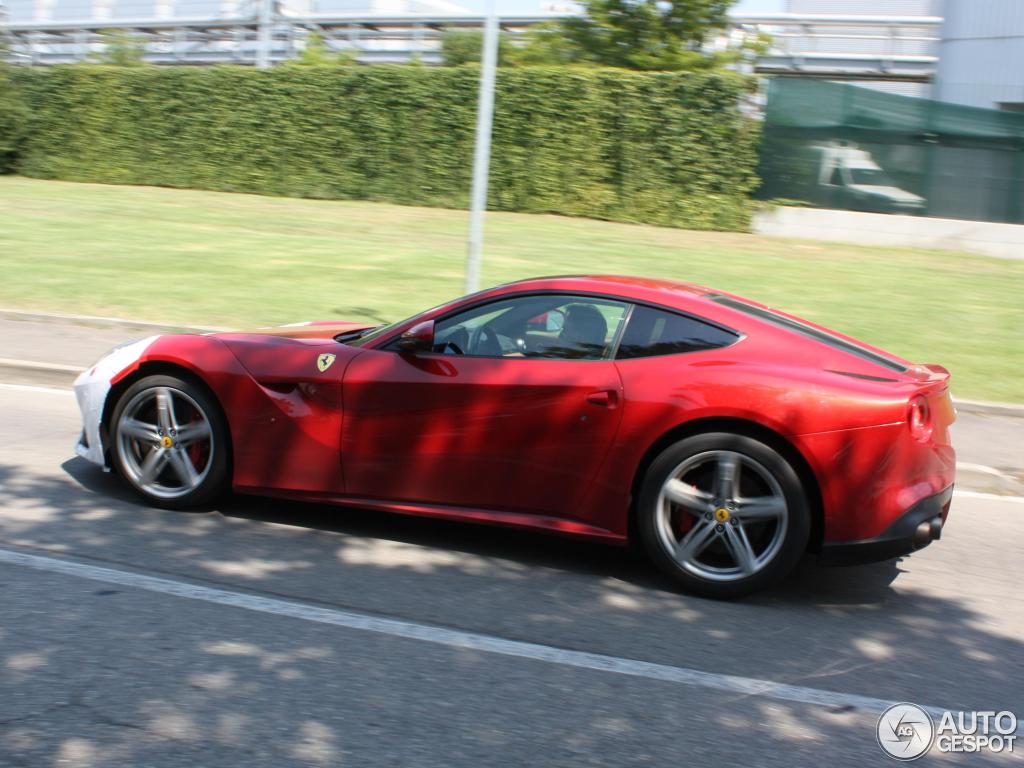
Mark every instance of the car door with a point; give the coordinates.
(514, 409)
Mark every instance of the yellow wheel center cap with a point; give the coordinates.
(722, 514)
(167, 442)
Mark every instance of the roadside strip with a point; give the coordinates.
(33, 365)
(16, 314)
(453, 638)
(57, 369)
(969, 406)
(4, 387)
(963, 466)
(30, 372)
(988, 496)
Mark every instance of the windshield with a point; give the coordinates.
(871, 177)
(361, 337)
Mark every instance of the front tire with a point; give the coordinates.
(169, 440)
(723, 515)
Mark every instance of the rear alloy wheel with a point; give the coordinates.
(723, 514)
(169, 441)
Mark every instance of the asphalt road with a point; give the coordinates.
(266, 633)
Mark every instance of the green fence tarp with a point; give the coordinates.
(841, 146)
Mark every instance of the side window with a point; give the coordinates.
(653, 332)
(554, 326)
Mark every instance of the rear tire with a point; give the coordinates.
(723, 515)
(169, 440)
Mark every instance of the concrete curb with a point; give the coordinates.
(994, 239)
(32, 365)
(86, 319)
(31, 372)
(968, 406)
(992, 409)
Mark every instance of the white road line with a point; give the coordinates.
(35, 364)
(983, 468)
(988, 496)
(453, 638)
(30, 388)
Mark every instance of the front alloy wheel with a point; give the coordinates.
(723, 514)
(169, 441)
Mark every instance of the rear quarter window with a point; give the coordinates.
(651, 332)
(808, 331)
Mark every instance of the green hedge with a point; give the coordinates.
(13, 119)
(670, 149)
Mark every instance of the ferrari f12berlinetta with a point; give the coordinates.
(725, 437)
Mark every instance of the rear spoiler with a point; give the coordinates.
(929, 373)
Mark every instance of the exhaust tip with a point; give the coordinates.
(923, 534)
(936, 528)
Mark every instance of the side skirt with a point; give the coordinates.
(546, 523)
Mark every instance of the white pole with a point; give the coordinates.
(264, 28)
(482, 150)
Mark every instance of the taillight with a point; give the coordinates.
(919, 419)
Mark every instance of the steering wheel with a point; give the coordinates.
(457, 343)
(484, 341)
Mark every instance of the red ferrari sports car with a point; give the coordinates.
(726, 437)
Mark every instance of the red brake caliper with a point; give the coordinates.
(197, 451)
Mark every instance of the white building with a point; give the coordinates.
(902, 41)
(965, 51)
(981, 57)
(979, 50)
(29, 11)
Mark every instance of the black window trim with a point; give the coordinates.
(807, 331)
(613, 348)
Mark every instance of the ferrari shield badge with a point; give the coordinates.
(324, 362)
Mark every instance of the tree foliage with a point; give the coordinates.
(653, 35)
(465, 46)
(661, 148)
(646, 34)
(121, 49)
(317, 52)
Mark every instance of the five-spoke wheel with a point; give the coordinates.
(168, 441)
(724, 514)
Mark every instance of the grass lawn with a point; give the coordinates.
(241, 260)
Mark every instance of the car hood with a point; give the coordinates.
(318, 329)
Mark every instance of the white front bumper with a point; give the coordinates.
(91, 390)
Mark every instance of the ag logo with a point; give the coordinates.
(905, 731)
(324, 362)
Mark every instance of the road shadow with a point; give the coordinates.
(810, 581)
(848, 630)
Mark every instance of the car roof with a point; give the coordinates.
(735, 312)
(657, 290)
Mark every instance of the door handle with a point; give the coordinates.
(607, 398)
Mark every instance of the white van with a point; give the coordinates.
(853, 180)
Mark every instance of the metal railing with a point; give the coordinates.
(858, 47)
(847, 47)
